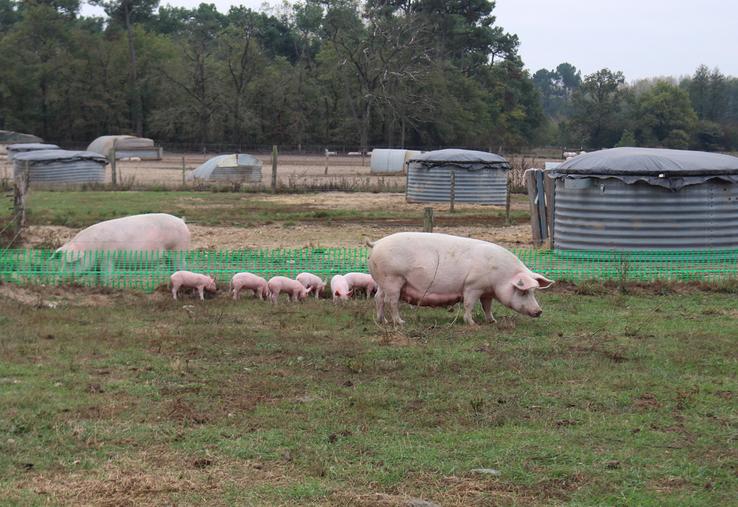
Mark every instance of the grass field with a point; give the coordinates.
(118, 398)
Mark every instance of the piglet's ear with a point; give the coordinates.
(543, 282)
(524, 281)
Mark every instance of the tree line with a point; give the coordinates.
(332, 72)
(413, 73)
(602, 111)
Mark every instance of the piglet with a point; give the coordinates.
(191, 280)
(363, 281)
(249, 281)
(311, 281)
(295, 289)
(340, 288)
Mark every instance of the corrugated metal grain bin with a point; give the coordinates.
(390, 160)
(238, 168)
(61, 166)
(14, 149)
(480, 177)
(646, 199)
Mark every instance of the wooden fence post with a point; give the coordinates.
(19, 197)
(453, 191)
(274, 168)
(508, 222)
(183, 170)
(549, 186)
(428, 220)
(535, 222)
(326, 162)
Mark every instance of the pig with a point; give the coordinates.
(429, 269)
(249, 281)
(191, 280)
(311, 281)
(157, 232)
(340, 288)
(153, 231)
(279, 284)
(361, 281)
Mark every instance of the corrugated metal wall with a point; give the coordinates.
(75, 171)
(245, 174)
(596, 214)
(484, 186)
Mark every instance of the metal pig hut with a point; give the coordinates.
(476, 177)
(646, 199)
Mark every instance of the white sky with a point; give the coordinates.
(642, 38)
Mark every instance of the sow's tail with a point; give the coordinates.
(370, 244)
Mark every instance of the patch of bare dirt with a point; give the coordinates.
(344, 235)
(53, 297)
(152, 477)
(366, 201)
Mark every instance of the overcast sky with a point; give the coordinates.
(642, 38)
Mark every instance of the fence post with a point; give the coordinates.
(508, 222)
(274, 168)
(535, 221)
(428, 220)
(453, 191)
(549, 186)
(19, 197)
(183, 170)
(326, 162)
(113, 164)
(541, 196)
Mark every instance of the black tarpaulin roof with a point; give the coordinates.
(467, 159)
(671, 169)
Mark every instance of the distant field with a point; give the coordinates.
(119, 398)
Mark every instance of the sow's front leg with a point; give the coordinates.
(470, 300)
(487, 307)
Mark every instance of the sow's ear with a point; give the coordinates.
(526, 281)
(543, 282)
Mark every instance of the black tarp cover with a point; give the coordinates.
(672, 169)
(466, 159)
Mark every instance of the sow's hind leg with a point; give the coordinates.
(379, 300)
(392, 289)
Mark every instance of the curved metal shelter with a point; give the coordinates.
(646, 199)
(126, 147)
(237, 167)
(61, 166)
(476, 177)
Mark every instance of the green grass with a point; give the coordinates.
(84, 208)
(607, 399)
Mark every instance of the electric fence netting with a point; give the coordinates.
(146, 270)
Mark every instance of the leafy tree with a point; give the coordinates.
(597, 107)
(127, 13)
(627, 139)
(664, 117)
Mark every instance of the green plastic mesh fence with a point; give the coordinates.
(148, 270)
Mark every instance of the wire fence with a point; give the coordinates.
(148, 270)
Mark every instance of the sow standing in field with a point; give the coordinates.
(428, 269)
